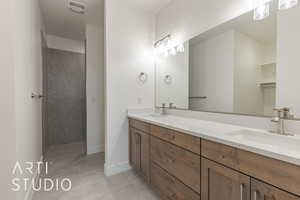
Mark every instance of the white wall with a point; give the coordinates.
(288, 69)
(176, 66)
(28, 77)
(22, 72)
(248, 97)
(186, 19)
(66, 44)
(7, 96)
(95, 88)
(129, 51)
(215, 79)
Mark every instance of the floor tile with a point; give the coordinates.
(88, 179)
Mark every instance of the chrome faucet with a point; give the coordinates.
(280, 116)
(163, 109)
(171, 106)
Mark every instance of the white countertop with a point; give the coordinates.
(285, 148)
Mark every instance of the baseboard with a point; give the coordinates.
(114, 169)
(36, 176)
(95, 149)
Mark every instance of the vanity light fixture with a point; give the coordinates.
(262, 9)
(162, 43)
(286, 4)
(173, 51)
(167, 47)
(180, 48)
(166, 53)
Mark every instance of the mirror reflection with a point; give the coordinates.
(230, 68)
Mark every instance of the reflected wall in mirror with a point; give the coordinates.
(232, 68)
(242, 66)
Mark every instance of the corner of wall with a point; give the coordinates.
(110, 170)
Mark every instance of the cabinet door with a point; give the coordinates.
(145, 157)
(219, 182)
(262, 191)
(135, 149)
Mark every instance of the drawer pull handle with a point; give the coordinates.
(171, 136)
(242, 191)
(255, 195)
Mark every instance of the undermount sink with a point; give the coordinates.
(267, 139)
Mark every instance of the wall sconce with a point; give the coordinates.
(180, 48)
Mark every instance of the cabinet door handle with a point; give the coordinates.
(242, 191)
(137, 138)
(255, 195)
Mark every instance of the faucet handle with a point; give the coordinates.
(163, 105)
(171, 105)
(287, 113)
(284, 112)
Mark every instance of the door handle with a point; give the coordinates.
(37, 96)
(41, 96)
(34, 95)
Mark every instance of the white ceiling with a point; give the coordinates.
(151, 6)
(60, 21)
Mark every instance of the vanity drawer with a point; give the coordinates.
(223, 154)
(169, 187)
(186, 141)
(142, 126)
(181, 163)
(275, 172)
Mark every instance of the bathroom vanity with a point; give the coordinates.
(189, 159)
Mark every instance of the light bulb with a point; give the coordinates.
(173, 51)
(286, 4)
(180, 48)
(166, 53)
(262, 11)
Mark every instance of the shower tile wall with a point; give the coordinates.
(65, 96)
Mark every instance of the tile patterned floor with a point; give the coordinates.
(88, 179)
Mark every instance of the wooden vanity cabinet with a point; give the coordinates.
(283, 175)
(182, 164)
(135, 149)
(168, 187)
(140, 148)
(219, 182)
(184, 167)
(182, 140)
(263, 191)
(139, 152)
